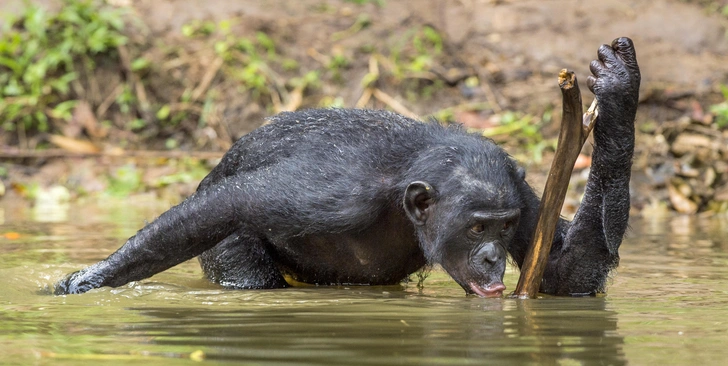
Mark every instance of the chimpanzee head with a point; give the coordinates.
(467, 219)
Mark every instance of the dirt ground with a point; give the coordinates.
(514, 48)
(681, 48)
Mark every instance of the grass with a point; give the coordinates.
(42, 55)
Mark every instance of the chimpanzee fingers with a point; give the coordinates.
(608, 56)
(596, 67)
(591, 82)
(624, 49)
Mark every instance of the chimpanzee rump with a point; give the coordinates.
(367, 197)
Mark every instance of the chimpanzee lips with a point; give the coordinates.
(494, 289)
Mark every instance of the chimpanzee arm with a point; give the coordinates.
(585, 251)
(183, 232)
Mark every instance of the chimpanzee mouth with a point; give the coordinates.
(494, 289)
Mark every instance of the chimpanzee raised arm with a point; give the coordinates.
(368, 197)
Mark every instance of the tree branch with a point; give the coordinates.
(574, 132)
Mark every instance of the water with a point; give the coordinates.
(668, 304)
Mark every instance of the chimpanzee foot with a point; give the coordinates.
(616, 73)
(242, 261)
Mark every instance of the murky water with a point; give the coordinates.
(668, 304)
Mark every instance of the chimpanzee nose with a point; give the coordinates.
(491, 253)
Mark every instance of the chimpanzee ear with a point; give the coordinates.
(521, 172)
(418, 198)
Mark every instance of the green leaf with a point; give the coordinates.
(11, 64)
(137, 124)
(61, 85)
(12, 88)
(221, 47)
(171, 144)
(225, 26)
(188, 30)
(63, 110)
(289, 64)
(266, 42)
(124, 181)
(42, 121)
(139, 64)
(35, 21)
(246, 46)
(163, 113)
(724, 91)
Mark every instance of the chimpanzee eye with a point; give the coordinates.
(507, 226)
(477, 229)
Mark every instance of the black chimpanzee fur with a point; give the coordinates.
(368, 197)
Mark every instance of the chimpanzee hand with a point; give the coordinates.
(80, 281)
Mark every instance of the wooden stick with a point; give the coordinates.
(393, 103)
(573, 134)
(207, 78)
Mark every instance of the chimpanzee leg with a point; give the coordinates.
(584, 253)
(241, 261)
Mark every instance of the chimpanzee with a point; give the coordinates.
(368, 197)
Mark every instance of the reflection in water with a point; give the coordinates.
(399, 327)
(667, 304)
(51, 204)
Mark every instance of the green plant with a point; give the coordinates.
(419, 47)
(412, 60)
(337, 64)
(198, 28)
(254, 62)
(186, 170)
(40, 54)
(361, 22)
(427, 43)
(525, 129)
(124, 181)
(720, 110)
(245, 59)
(363, 2)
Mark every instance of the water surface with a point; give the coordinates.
(668, 303)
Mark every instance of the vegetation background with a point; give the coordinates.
(114, 98)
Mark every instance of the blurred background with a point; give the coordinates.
(120, 98)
